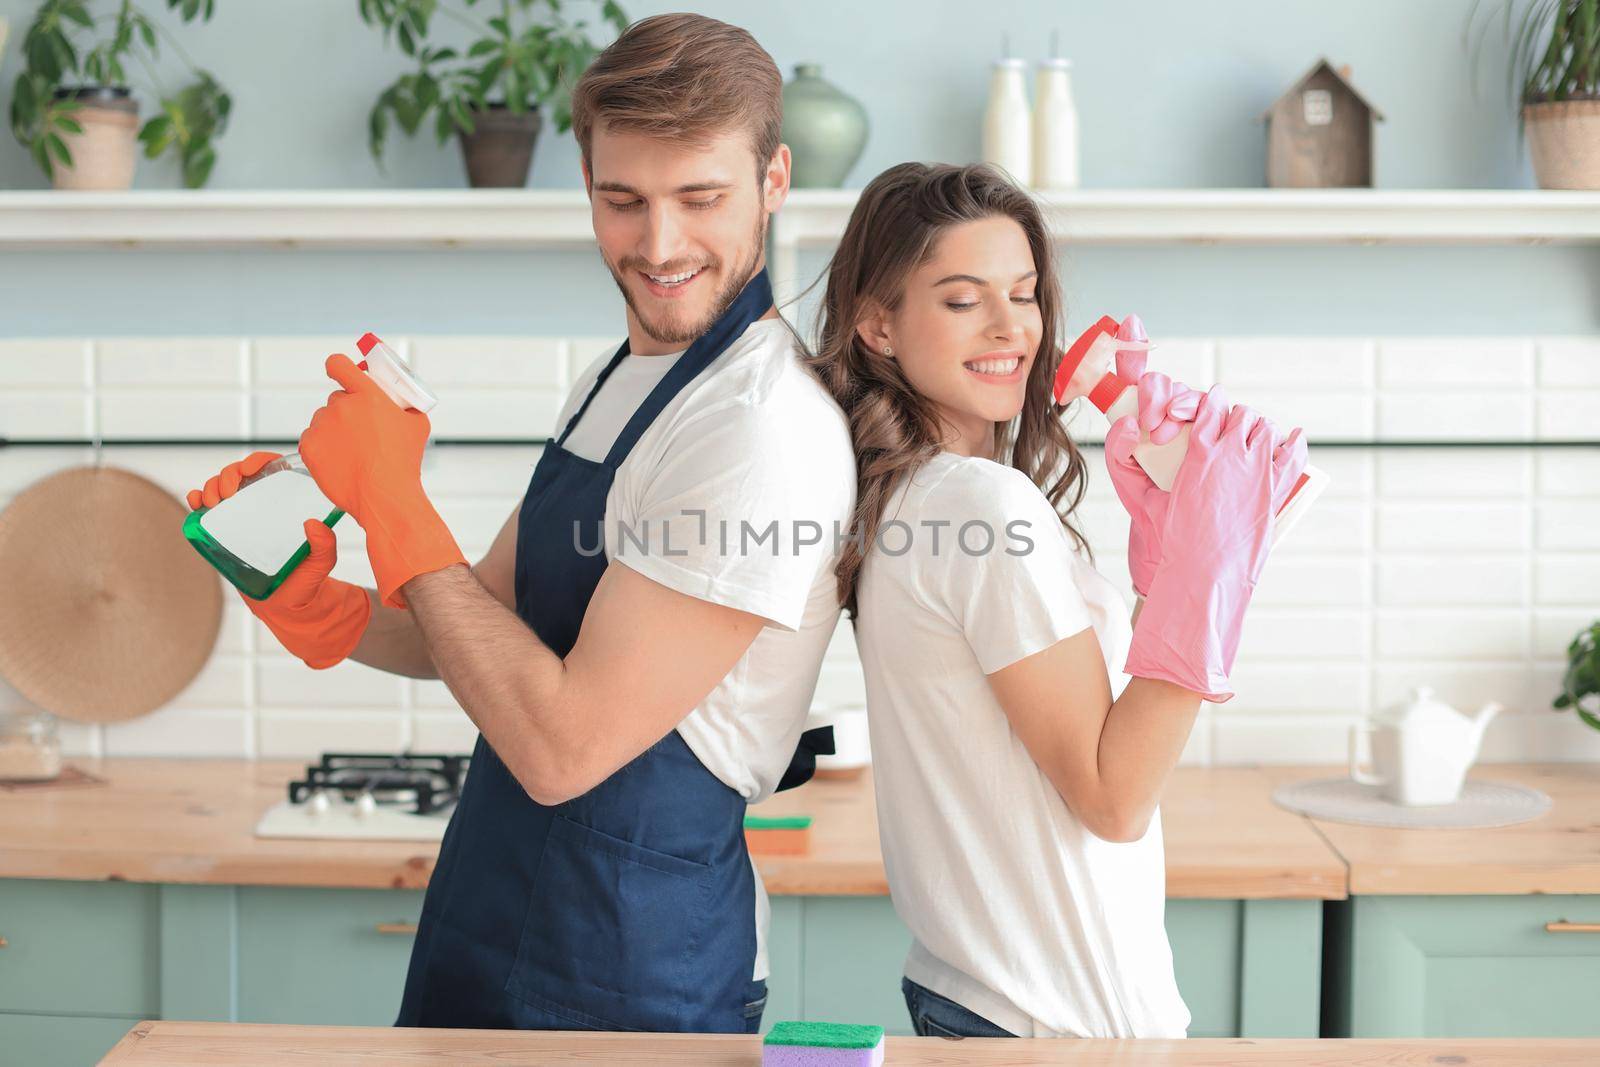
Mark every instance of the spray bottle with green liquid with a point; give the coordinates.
(256, 537)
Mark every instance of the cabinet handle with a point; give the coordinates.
(397, 928)
(1564, 927)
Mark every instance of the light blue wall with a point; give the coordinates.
(1169, 91)
(1169, 94)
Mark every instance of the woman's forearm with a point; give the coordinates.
(393, 642)
(1144, 735)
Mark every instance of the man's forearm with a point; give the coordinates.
(392, 642)
(505, 678)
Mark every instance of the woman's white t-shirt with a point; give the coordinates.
(1017, 911)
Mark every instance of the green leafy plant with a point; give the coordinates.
(1580, 686)
(1555, 48)
(526, 55)
(190, 119)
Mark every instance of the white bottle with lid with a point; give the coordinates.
(256, 537)
(1089, 370)
(1055, 125)
(1007, 125)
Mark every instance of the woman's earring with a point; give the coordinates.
(888, 351)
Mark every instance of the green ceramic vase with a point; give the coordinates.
(824, 127)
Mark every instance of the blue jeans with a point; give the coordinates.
(936, 1016)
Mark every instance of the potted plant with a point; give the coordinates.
(1555, 66)
(524, 56)
(1580, 686)
(73, 108)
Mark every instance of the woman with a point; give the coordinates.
(1018, 769)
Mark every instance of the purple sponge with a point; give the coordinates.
(822, 1045)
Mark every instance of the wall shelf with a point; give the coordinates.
(559, 218)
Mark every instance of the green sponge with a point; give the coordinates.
(796, 1044)
(777, 822)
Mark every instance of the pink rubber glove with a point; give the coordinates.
(1218, 528)
(1164, 406)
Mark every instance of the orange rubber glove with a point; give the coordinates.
(318, 618)
(365, 451)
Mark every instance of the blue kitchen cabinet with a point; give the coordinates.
(1464, 966)
(324, 956)
(79, 966)
(1246, 968)
(85, 960)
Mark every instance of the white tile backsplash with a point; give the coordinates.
(1427, 580)
(1569, 361)
(184, 413)
(1452, 363)
(54, 362)
(189, 362)
(1476, 474)
(1468, 569)
(1569, 415)
(1434, 415)
(1291, 362)
(1452, 527)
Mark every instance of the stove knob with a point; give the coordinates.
(365, 805)
(318, 804)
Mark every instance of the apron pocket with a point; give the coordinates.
(611, 932)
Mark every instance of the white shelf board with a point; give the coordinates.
(335, 219)
(560, 218)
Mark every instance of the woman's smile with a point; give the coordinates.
(1005, 367)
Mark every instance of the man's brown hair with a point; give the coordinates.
(683, 78)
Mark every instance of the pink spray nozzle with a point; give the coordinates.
(1132, 329)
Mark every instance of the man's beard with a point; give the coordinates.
(671, 331)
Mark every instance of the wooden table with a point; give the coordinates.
(176, 1044)
(1559, 852)
(193, 822)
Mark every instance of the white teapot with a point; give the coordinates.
(1421, 749)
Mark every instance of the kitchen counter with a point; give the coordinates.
(1559, 852)
(172, 1044)
(192, 822)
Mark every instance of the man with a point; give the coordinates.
(631, 702)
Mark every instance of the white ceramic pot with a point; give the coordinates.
(1564, 140)
(104, 154)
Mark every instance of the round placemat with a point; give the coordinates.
(106, 612)
(1481, 805)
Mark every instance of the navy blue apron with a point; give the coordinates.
(631, 907)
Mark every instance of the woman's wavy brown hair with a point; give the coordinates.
(893, 230)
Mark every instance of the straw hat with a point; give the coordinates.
(106, 613)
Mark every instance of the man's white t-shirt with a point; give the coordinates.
(732, 496)
(1017, 911)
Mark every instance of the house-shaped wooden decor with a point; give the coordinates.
(1319, 133)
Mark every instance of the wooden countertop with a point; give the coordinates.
(193, 821)
(1559, 852)
(179, 1044)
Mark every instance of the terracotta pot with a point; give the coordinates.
(499, 150)
(1564, 140)
(104, 154)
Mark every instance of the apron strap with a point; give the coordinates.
(815, 742)
(594, 391)
(751, 303)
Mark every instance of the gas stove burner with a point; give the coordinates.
(422, 784)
